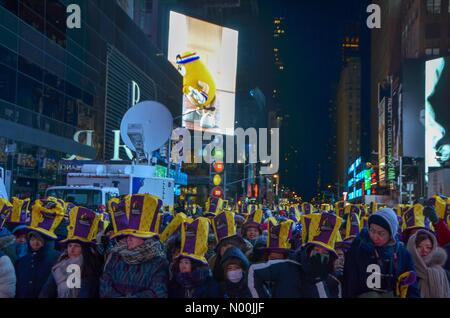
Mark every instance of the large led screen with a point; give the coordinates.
(437, 113)
(206, 56)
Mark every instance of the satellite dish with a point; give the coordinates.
(146, 127)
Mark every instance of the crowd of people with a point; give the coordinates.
(138, 249)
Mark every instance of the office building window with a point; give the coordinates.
(434, 6)
(432, 51)
(7, 84)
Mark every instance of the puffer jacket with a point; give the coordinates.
(7, 277)
(33, 270)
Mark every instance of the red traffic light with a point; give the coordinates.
(217, 192)
(218, 166)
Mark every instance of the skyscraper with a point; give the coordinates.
(348, 105)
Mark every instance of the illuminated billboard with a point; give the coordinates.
(437, 114)
(360, 180)
(206, 56)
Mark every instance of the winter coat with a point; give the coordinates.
(236, 290)
(33, 270)
(8, 244)
(239, 289)
(363, 259)
(89, 285)
(288, 279)
(215, 260)
(199, 284)
(148, 279)
(7, 277)
(432, 279)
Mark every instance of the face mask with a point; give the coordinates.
(235, 276)
(21, 249)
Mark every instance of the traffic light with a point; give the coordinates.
(217, 169)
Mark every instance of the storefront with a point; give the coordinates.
(33, 168)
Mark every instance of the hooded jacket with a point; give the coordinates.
(364, 261)
(433, 280)
(33, 270)
(7, 277)
(239, 289)
(215, 260)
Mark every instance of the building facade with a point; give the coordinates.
(62, 90)
(348, 107)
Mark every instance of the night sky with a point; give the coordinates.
(312, 55)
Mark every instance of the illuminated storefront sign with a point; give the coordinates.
(360, 180)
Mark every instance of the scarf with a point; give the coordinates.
(141, 254)
(6, 241)
(61, 277)
(433, 281)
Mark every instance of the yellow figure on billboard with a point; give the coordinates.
(198, 83)
(198, 86)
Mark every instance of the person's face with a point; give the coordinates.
(73, 250)
(424, 248)
(232, 267)
(21, 238)
(275, 256)
(36, 244)
(224, 248)
(319, 250)
(378, 235)
(133, 242)
(252, 233)
(341, 258)
(185, 266)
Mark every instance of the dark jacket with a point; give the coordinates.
(361, 259)
(199, 284)
(288, 279)
(236, 290)
(239, 289)
(33, 270)
(447, 264)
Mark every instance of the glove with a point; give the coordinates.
(431, 214)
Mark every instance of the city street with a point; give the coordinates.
(217, 149)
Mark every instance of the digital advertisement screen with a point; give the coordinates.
(437, 114)
(206, 56)
(413, 109)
